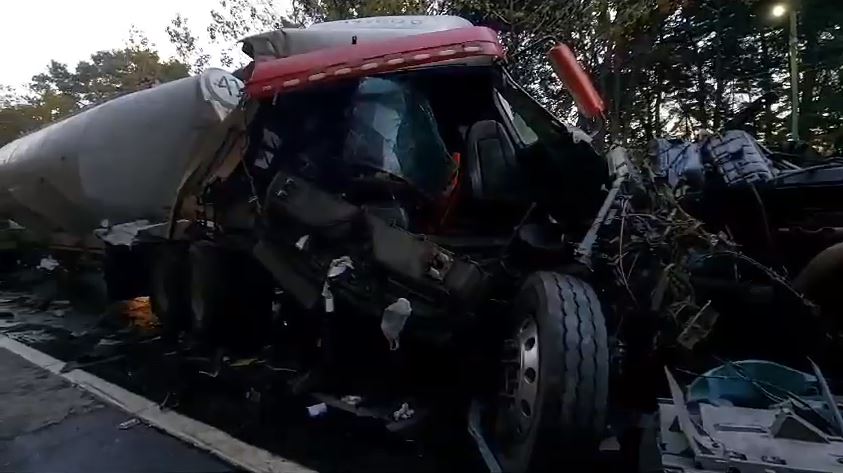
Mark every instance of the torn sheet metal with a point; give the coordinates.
(715, 432)
(392, 323)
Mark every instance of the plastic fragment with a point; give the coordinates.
(129, 424)
(49, 263)
(302, 242)
(392, 323)
(317, 410)
(404, 412)
(339, 266)
(328, 296)
(352, 400)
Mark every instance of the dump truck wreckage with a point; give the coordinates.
(391, 211)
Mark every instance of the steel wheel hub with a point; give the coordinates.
(521, 371)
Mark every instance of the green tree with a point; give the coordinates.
(61, 91)
(187, 46)
(233, 20)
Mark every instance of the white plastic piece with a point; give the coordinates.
(328, 296)
(49, 263)
(339, 266)
(123, 234)
(404, 412)
(302, 242)
(317, 410)
(392, 323)
(352, 400)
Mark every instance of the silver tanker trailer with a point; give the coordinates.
(117, 162)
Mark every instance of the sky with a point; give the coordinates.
(32, 32)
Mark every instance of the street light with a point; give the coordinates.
(779, 11)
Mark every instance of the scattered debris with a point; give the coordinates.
(243, 362)
(139, 313)
(129, 424)
(49, 263)
(352, 400)
(339, 266)
(404, 412)
(58, 312)
(302, 242)
(749, 415)
(394, 317)
(123, 234)
(328, 296)
(317, 410)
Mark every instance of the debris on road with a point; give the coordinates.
(129, 424)
(352, 400)
(317, 410)
(49, 263)
(404, 412)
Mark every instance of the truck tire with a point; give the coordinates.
(169, 294)
(209, 293)
(126, 272)
(552, 413)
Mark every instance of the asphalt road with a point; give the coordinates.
(48, 425)
(249, 401)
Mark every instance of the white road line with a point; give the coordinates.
(198, 434)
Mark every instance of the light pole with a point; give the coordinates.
(779, 11)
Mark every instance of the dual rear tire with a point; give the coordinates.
(218, 296)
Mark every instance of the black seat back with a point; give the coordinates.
(491, 164)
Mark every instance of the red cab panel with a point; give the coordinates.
(317, 67)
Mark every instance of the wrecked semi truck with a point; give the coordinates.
(392, 213)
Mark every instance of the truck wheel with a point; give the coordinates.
(169, 289)
(208, 291)
(552, 411)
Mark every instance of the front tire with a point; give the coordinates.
(552, 411)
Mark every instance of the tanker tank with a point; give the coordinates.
(117, 162)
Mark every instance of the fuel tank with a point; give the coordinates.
(116, 162)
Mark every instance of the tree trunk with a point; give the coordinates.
(808, 87)
(701, 95)
(718, 73)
